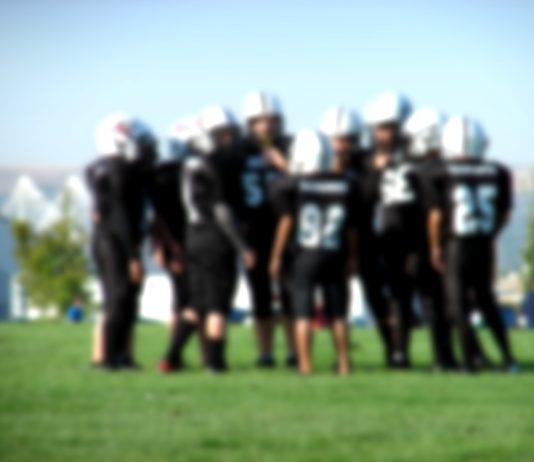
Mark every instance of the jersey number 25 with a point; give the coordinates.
(474, 209)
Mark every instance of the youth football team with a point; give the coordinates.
(405, 200)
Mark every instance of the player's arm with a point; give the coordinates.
(276, 158)
(282, 197)
(352, 241)
(123, 227)
(435, 222)
(91, 183)
(355, 207)
(506, 203)
(282, 235)
(274, 155)
(225, 219)
(432, 188)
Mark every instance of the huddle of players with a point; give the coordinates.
(415, 216)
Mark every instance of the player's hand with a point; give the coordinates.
(436, 257)
(95, 216)
(136, 270)
(176, 266)
(274, 157)
(411, 265)
(249, 259)
(352, 267)
(159, 257)
(274, 268)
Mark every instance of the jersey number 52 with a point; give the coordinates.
(320, 228)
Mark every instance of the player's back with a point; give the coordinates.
(475, 196)
(323, 206)
(199, 190)
(118, 186)
(164, 193)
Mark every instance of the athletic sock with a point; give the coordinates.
(215, 354)
(180, 336)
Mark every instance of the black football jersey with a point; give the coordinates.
(473, 195)
(324, 206)
(358, 164)
(370, 196)
(256, 179)
(207, 180)
(164, 192)
(402, 199)
(119, 190)
(228, 165)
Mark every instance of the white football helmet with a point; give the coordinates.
(215, 118)
(340, 122)
(122, 134)
(183, 133)
(388, 108)
(259, 103)
(463, 137)
(423, 131)
(310, 153)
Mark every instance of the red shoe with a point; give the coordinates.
(166, 367)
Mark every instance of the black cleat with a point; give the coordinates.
(482, 362)
(511, 367)
(265, 362)
(292, 361)
(217, 369)
(129, 364)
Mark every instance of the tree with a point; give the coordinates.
(53, 264)
(528, 257)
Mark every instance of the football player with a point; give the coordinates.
(404, 201)
(470, 200)
(265, 148)
(212, 239)
(118, 180)
(342, 126)
(168, 225)
(384, 117)
(317, 208)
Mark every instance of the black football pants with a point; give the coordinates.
(120, 297)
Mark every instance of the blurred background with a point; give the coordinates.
(67, 64)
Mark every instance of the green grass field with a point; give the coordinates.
(53, 407)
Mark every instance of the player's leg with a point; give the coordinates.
(400, 283)
(304, 272)
(116, 279)
(97, 346)
(481, 358)
(286, 314)
(487, 302)
(260, 288)
(430, 290)
(336, 304)
(186, 327)
(219, 291)
(179, 298)
(456, 284)
(128, 337)
(215, 335)
(372, 279)
(191, 306)
(97, 349)
(179, 304)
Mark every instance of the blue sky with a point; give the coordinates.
(65, 64)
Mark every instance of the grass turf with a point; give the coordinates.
(53, 407)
